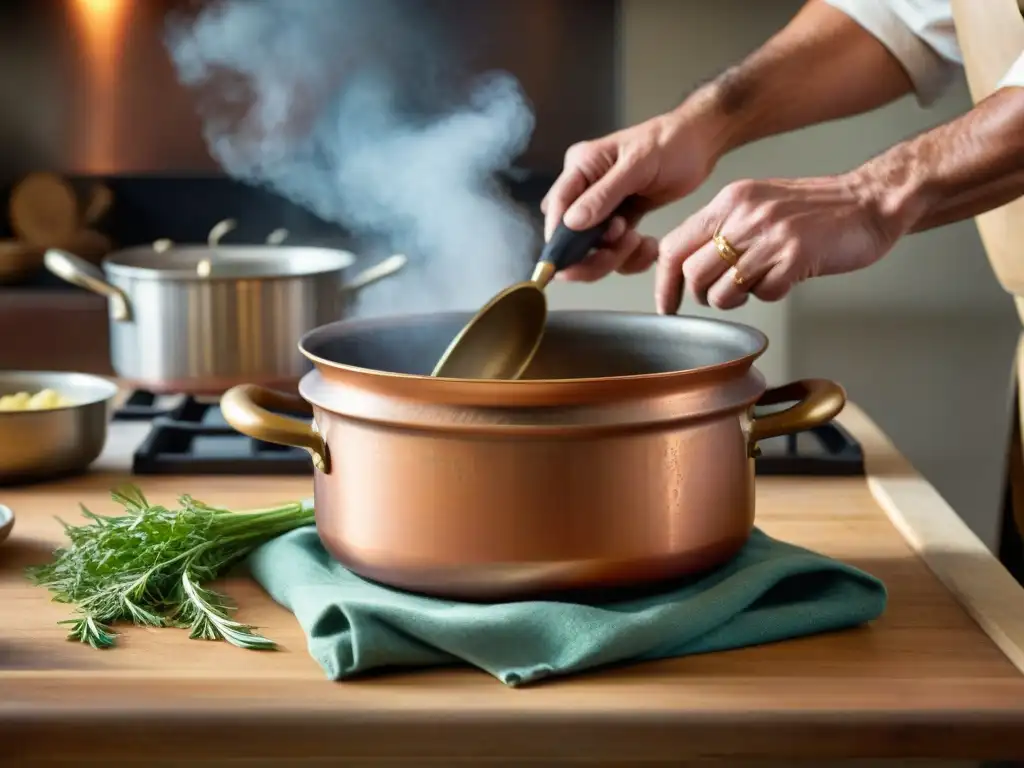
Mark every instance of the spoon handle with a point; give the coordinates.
(569, 246)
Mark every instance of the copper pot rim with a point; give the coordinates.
(369, 324)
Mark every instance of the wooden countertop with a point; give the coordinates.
(933, 677)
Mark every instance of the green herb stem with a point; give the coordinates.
(148, 566)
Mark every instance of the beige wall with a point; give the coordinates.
(667, 47)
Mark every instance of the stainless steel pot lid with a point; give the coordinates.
(165, 260)
(230, 262)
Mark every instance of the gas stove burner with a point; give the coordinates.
(828, 451)
(189, 436)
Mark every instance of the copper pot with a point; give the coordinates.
(623, 456)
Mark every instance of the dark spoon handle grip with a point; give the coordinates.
(569, 246)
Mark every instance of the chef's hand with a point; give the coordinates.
(655, 162)
(781, 232)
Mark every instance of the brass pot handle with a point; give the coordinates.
(816, 402)
(245, 407)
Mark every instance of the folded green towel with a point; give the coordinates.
(770, 591)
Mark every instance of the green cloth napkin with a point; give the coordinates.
(770, 591)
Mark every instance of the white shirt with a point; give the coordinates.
(922, 35)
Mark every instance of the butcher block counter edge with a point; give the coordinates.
(950, 549)
(403, 721)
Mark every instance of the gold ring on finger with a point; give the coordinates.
(737, 278)
(729, 254)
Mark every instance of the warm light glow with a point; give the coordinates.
(99, 7)
(100, 26)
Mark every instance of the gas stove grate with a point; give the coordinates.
(190, 436)
(827, 451)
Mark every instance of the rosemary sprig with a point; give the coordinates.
(148, 566)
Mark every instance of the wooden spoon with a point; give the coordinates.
(18, 261)
(44, 210)
(98, 203)
(87, 244)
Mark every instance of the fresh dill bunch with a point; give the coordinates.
(148, 566)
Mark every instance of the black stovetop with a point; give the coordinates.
(191, 437)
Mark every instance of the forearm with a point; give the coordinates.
(962, 168)
(822, 66)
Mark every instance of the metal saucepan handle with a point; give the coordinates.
(83, 274)
(816, 401)
(378, 271)
(245, 407)
(569, 246)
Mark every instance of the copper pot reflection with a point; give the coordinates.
(623, 456)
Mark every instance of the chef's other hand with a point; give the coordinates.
(655, 162)
(777, 233)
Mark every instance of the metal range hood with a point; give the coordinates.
(87, 86)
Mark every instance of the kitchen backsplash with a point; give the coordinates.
(184, 209)
(88, 90)
(90, 87)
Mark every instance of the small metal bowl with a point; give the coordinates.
(45, 444)
(6, 522)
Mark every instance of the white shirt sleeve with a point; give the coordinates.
(921, 35)
(1015, 77)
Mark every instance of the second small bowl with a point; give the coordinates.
(48, 443)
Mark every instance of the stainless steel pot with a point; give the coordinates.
(43, 444)
(200, 319)
(623, 456)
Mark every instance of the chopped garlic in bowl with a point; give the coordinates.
(44, 399)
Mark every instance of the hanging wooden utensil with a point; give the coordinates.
(44, 210)
(18, 261)
(98, 202)
(87, 244)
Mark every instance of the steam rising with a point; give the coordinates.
(347, 108)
